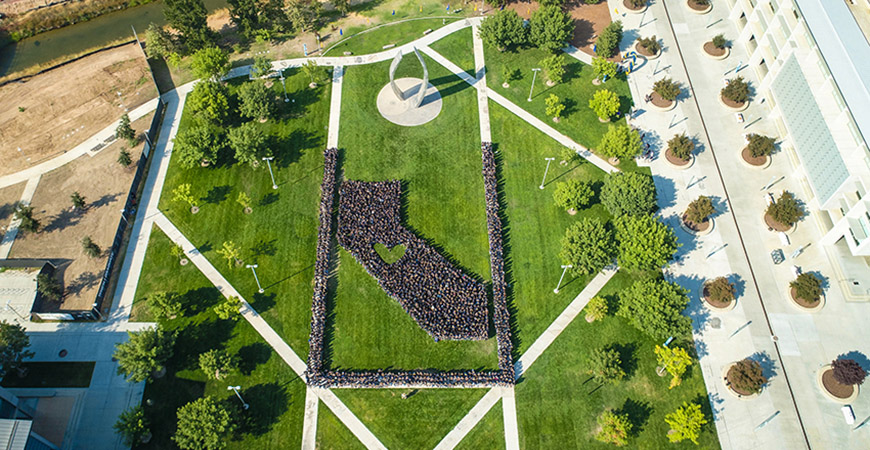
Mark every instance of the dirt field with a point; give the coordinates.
(8, 196)
(104, 184)
(589, 20)
(67, 105)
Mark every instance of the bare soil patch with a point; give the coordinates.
(752, 160)
(104, 184)
(697, 227)
(834, 387)
(697, 6)
(65, 106)
(771, 223)
(673, 159)
(802, 302)
(589, 20)
(712, 50)
(731, 103)
(715, 303)
(731, 385)
(8, 196)
(657, 100)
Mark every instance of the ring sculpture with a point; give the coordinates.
(421, 92)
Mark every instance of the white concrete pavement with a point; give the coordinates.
(12, 229)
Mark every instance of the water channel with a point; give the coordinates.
(95, 33)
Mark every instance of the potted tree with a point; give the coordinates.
(758, 150)
(806, 292)
(605, 104)
(178, 252)
(699, 6)
(679, 151)
(603, 69)
(573, 195)
(840, 380)
(697, 218)
(596, 309)
(649, 47)
(634, 6)
(718, 294)
(745, 378)
(508, 74)
(717, 48)
(784, 213)
(735, 94)
(664, 94)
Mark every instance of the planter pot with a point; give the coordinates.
(248, 210)
(713, 307)
(603, 120)
(745, 153)
(589, 318)
(556, 119)
(650, 57)
(704, 232)
(613, 161)
(669, 107)
(674, 162)
(731, 390)
(572, 212)
(704, 48)
(505, 85)
(160, 373)
(312, 85)
(733, 108)
(194, 209)
(631, 10)
(596, 82)
(769, 222)
(698, 11)
(808, 309)
(660, 371)
(550, 83)
(823, 376)
(183, 261)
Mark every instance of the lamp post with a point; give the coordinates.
(124, 216)
(285, 87)
(535, 74)
(564, 269)
(253, 268)
(269, 163)
(236, 390)
(549, 160)
(10, 308)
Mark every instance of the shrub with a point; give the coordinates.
(604, 365)
(24, 213)
(700, 209)
(655, 307)
(132, 425)
(720, 290)
(604, 103)
(90, 247)
(737, 90)
(77, 200)
(229, 308)
(629, 193)
(675, 361)
(608, 40)
(569, 154)
(124, 158)
(746, 376)
(550, 27)
(719, 41)
(787, 210)
(807, 287)
(848, 371)
(181, 193)
(615, 428)
(255, 101)
(702, 2)
(588, 246)
(621, 142)
(49, 287)
(596, 309)
(573, 194)
(667, 89)
(509, 74)
(554, 67)
(760, 145)
(196, 144)
(554, 106)
(177, 251)
(681, 146)
(165, 304)
(637, 3)
(651, 44)
(217, 364)
(244, 200)
(503, 30)
(685, 422)
(231, 252)
(603, 67)
(209, 102)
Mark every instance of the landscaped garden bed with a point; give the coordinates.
(699, 6)
(635, 6)
(806, 292)
(744, 379)
(717, 48)
(841, 379)
(718, 294)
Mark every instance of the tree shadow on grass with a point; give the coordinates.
(252, 355)
(197, 338)
(627, 358)
(268, 402)
(217, 194)
(269, 198)
(263, 302)
(198, 300)
(264, 248)
(638, 414)
(290, 148)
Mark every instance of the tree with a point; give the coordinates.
(91, 248)
(700, 210)
(125, 131)
(177, 251)
(644, 242)
(848, 371)
(746, 375)
(550, 28)
(124, 158)
(49, 287)
(685, 423)
(509, 74)
(181, 193)
(667, 89)
(651, 44)
(232, 252)
(158, 42)
(604, 103)
(209, 102)
(262, 67)
(736, 90)
(608, 41)
(655, 307)
(554, 67)
(196, 144)
(629, 193)
(342, 6)
(144, 353)
(620, 142)
(314, 72)
(249, 143)
(245, 14)
(720, 290)
(255, 101)
(675, 360)
(503, 30)
(760, 145)
(573, 194)
(719, 41)
(604, 365)
(615, 428)
(807, 287)
(13, 347)
(304, 14)
(596, 309)
(554, 107)
(244, 200)
(24, 213)
(588, 246)
(603, 68)
(217, 364)
(569, 155)
(203, 424)
(229, 308)
(132, 425)
(210, 63)
(787, 210)
(681, 146)
(165, 304)
(77, 200)
(189, 18)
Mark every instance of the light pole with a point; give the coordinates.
(253, 268)
(285, 87)
(535, 74)
(269, 163)
(564, 269)
(549, 160)
(124, 216)
(10, 308)
(236, 390)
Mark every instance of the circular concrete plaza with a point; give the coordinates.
(400, 112)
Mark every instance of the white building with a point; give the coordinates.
(813, 63)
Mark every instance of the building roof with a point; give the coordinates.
(14, 433)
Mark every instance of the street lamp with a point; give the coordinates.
(269, 163)
(549, 160)
(535, 71)
(236, 390)
(253, 268)
(564, 269)
(285, 87)
(124, 216)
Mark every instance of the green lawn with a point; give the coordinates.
(332, 434)
(280, 235)
(275, 393)
(558, 404)
(457, 47)
(391, 33)
(488, 433)
(51, 375)
(578, 121)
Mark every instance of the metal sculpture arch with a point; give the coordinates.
(421, 91)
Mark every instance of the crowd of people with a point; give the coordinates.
(445, 302)
(415, 378)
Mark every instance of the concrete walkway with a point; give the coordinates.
(470, 420)
(12, 229)
(482, 92)
(309, 424)
(350, 420)
(509, 411)
(335, 107)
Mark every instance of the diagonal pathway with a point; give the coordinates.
(309, 424)
(482, 99)
(349, 419)
(12, 230)
(470, 420)
(335, 107)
